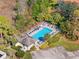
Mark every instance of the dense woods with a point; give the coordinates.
(65, 15)
(7, 31)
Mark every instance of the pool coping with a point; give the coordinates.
(41, 26)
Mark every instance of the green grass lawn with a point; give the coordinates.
(67, 45)
(53, 42)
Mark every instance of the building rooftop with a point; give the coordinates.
(26, 40)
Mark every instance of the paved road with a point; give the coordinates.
(55, 53)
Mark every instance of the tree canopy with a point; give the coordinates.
(67, 9)
(7, 30)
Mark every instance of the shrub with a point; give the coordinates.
(19, 53)
(27, 55)
(54, 38)
(16, 48)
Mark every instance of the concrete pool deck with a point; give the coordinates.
(42, 26)
(38, 28)
(27, 40)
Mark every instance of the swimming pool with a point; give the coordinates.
(40, 35)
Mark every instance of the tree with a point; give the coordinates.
(67, 9)
(70, 13)
(27, 55)
(19, 53)
(69, 29)
(53, 3)
(76, 14)
(40, 8)
(7, 30)
(54, 39)
(56, 18)
(20, 22)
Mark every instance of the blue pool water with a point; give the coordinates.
(40, 35)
